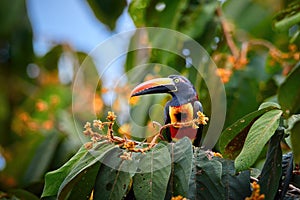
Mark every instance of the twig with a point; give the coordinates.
(131, 144)
(267, 44)
(228, 36)
(110, 134)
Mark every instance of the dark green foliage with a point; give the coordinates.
(216, 178)
(259, 134)
(42, 158)
(272, 170)
(114, 177)
(163, 172)
(151, 179)
(86, 163)
(84, 184)
(176, 16)
(37, 136)
(60, 174)
(229, 141)
(181, 161)
(295, 138)
(289, 93)
(108, 11)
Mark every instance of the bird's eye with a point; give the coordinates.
(176, 80)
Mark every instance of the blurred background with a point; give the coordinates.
(43, 44)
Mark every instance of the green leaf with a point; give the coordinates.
(175, 15)
(243, 89)
(205, 181)
(232, 138)
(181, 158)
(42, 158)
(289, 92)
(270, 105)
(258, 18)
(137, 11)
(91, 158)
(168, 16)
(295, 138)
(271, 173)
(151, 179)
(114, 177)
(54, 179)
(215, 178)
(201, 15)
(259, 134)
(237, 186)
(85, 184)
(108, 11)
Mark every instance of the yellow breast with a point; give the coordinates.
(181, 113)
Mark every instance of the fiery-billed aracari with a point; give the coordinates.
(183, 106)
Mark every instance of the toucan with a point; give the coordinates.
(183, 106)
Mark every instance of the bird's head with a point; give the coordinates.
(179, 87)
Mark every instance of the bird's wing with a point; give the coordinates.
(198, 107)
(166, 113)
(167, 134)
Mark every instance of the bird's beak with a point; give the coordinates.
(154, 86)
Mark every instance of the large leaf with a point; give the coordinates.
(236, 185)
(114, 177)
(181, 157)
(232, 138)
(295, 138)
(271, 173)
(54, 179)
(243, 90)
(289, 92)
(215, 178)
(42, 158)
(259, 134)
(151, 179)
(91, 158)
(107, 11)
(205, 181)
(82, 189)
